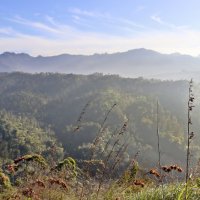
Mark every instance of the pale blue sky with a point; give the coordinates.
(51, 27)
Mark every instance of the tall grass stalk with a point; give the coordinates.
(96, 140)
(158, 145)
(190, 135)
(111, 156)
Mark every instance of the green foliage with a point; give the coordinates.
(22, 135)
(134, 169)
(93, 167)
(68, 164)
(130, 174)
(198, 182)
(4, 181)
(32, 158)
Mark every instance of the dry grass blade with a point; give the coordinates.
(95, 142)
(80, 118)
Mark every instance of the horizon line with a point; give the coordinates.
(96, 53)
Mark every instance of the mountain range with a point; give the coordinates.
(132, 63)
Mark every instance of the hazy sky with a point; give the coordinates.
(50, 27)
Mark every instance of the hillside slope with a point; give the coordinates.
(57, 100)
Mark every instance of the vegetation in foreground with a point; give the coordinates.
(31, 177)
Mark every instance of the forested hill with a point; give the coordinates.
(56, 102)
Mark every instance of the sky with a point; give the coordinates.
(52, 27)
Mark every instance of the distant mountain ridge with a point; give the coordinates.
(133, 63)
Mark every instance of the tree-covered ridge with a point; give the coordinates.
(139, 111)
(56, 101)
(22, 135)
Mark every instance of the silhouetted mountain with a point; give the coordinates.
(133, 63)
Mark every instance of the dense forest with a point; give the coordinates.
(55, 103)
(62, 115)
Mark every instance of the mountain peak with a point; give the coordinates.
(142, 51)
